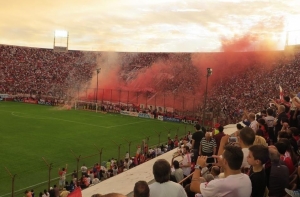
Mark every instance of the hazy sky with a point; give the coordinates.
(147, 25)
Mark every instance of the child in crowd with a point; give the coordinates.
(258, 156)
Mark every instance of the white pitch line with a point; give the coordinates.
(12, 113)
(128, 124)
(108, 127)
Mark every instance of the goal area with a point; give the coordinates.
(88, 106)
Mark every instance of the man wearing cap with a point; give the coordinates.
(216, 130)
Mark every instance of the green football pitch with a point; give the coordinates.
(32, 135)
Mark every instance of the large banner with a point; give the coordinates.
(136, 114)
(129, 113)
(44, 102)
(30, 101)
(190, 121)
(171, 119)
(18, 99)
(144, 115)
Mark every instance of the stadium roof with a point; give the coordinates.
(150, 26)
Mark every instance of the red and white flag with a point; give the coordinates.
(280, 93)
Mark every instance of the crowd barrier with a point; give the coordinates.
(124, 182)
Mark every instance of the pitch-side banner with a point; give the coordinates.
(144, 115)
(159, 117)
(169, 119)
(129, 113)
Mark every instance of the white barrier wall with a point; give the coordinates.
(124, 182)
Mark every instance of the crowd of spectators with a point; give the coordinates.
(90, 176)
(42, 71)
(246, 163)
(252, 89)
(262, 158)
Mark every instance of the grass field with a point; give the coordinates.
(32, 132)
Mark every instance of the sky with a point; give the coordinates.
(150, 25)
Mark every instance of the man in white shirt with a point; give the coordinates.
(185, 165)
(83, 170)
(253, 123)
(235, 183)
(245, 140)
(163, 187)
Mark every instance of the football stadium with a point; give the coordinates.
(161, 98)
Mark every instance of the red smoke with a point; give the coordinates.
(178, 79)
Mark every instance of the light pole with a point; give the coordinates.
(98, 71)
(209, 73)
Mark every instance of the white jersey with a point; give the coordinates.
(238, 185)
(186, 160)
(167, 189)
(269, 121)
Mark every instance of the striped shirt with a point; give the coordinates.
(208, 146)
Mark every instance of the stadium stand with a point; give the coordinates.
(44, 72)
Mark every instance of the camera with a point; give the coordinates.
(232, 139)
(211, 160)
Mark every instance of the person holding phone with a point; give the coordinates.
(235, 183)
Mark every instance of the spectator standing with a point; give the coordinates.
(62, 176)
(208, 146)
(263, 129)
(52, 192)
(253, 123)
(294, 110)
(219, 136)
(278, 126)
(56, 191)
(163, 187)
(196, 139)
(83, 170)
(46, 194)
(278, 178)
(235, 183)
(258, 156)
(186, 161)
(245, 140)
(281, 148)
(177, 173)
(270, 122)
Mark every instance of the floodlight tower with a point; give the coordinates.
(209, 73)
(61, 41)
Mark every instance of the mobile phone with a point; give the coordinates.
(211, 160)
(232, 139)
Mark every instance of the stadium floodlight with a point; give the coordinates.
(209, 73)
(61, 41)
(60, 33)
